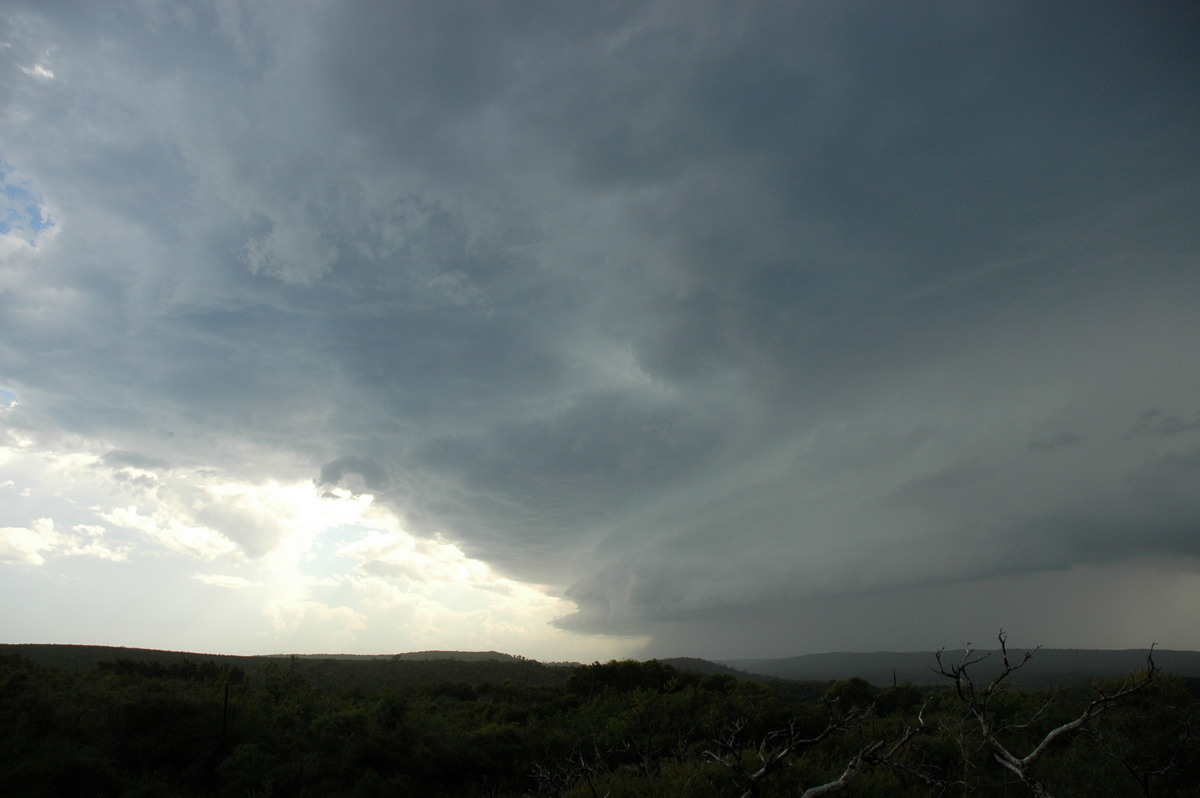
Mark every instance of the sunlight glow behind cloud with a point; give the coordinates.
(275, 549)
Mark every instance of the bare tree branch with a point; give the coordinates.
(774, 749)
(890, 758)
(852, 770)
(978, 704)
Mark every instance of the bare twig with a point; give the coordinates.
(774, 750)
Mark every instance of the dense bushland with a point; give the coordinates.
(187, 727)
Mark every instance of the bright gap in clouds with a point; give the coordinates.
(21, 209)
(199, 560)
(26, 222)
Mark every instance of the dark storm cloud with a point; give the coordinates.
(1066, 438)
(689, 310)
(548, 480)
(118, 458)
(373, 476)
(1155, 422)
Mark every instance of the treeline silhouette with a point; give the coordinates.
(151, 727)
(186, 668)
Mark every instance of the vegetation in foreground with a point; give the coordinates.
(310, 727)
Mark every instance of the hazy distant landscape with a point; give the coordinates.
(1051, 668)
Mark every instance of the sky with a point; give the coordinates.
(595, 330)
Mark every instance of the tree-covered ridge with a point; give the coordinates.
(1056, 667)
(191, 726)
(333, 672)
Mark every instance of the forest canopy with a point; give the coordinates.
(177, 725)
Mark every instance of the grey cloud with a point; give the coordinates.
(143, 481)
(1154, 421)
(1169, 486)
(391, 570)
(253, 537)
(689, 311)
(351, 469)
(811, 275)
(957, 477)
(837, 450)
(596, 457)
(1057, 441)
(118, 458)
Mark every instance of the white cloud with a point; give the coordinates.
(32, 545)
(90, 542)
(26, 544)
(325, 570)
(172, 532)
(436, 593)
(227, 581)
(314, 626)
(40, 70)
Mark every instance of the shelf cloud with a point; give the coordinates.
(675, 328)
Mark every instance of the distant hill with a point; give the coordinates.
(1049, 667)
(697, 665)
(347, 671)
(462, 656)
(73, 656)
(465, 656)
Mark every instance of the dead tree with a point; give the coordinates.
(577, 767)
(978, 703)
(1178, 728)
(776, 749)
(852, 769)
(891, 757)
